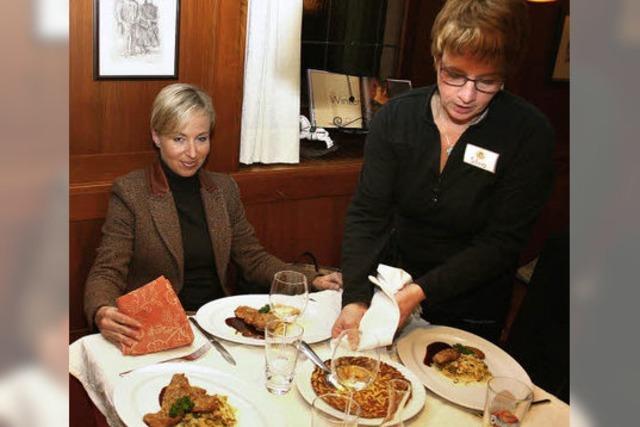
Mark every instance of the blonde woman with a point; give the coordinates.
(459, 171)
(176, 219)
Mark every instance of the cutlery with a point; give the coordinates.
(316, 360)
(223, 351)
(198, 353)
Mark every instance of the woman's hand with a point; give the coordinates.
(408, 299)
(328, 281)
(117, 327)
(349, 318)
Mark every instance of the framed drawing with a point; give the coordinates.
(561, 69)
(135, 39)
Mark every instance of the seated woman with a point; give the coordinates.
(176, 219)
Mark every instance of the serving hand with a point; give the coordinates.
(349, 318)
(117, 327)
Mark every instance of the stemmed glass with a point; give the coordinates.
(348, 416)
(399, 391)
(354, 368)
(289, 295)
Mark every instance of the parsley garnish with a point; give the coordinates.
(462, 349)
(265, 309)
(181, 407)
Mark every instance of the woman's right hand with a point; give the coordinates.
(117, 327)
(349, 318)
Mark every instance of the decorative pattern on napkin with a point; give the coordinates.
(380, 322)
(164, 322)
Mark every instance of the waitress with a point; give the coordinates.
(455, 174)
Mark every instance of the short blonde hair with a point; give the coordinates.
(493, 31)
(175, 104)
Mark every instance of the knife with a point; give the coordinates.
(223, 351)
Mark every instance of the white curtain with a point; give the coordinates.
(271, 104)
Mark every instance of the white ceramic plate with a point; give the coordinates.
(137, 394)
(418, 397)
(412, 349)
(316, 320)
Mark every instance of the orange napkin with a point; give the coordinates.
(164, 322)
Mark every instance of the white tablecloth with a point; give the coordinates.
(96, 364)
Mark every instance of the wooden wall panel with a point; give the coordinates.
(84, 237)
(289, 228)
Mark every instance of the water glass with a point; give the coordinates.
(508, 401)
(289, 295)
(398, 391)
(321, 418)
(281, 354)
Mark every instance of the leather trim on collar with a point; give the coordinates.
(158, 184)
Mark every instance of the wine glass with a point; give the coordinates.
(354, 368)
(399, 391)
(289, 295)
(349, 412)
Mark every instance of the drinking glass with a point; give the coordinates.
(289, 295)
(507, 403)
(281, 354)
(354, 368)
(348, 416)
(398, 391)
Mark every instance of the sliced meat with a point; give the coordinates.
(446, 356)
(253, 317)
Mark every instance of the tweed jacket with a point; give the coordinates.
(141, 238)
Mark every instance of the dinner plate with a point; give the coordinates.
(137, 394)
(418, 394)
(412, 349)
(316, 320)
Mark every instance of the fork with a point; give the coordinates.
(198, 353)
(316, 360)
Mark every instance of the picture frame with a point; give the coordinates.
(348, 102)
(136, 39)
(561, 67)
(334, 100)
(376, 92)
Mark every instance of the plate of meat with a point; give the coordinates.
(177, 394)
(241, 319)
(456, 364)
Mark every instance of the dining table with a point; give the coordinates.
(97, 365)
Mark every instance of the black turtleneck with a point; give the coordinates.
(201, 282)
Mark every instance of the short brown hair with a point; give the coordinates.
(493, 31)
(175, 104)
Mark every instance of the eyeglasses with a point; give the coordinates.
(453, 78)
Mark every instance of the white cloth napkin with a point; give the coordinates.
(379, 323)
(96, 363)
(330, 299)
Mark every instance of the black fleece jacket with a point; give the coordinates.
(459, 232)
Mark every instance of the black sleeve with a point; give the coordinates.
(367, 225)
(519, 195)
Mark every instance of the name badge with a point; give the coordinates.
(481, 158)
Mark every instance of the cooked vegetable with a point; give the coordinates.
(265, 309)
(463, 349)
(181, 407)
